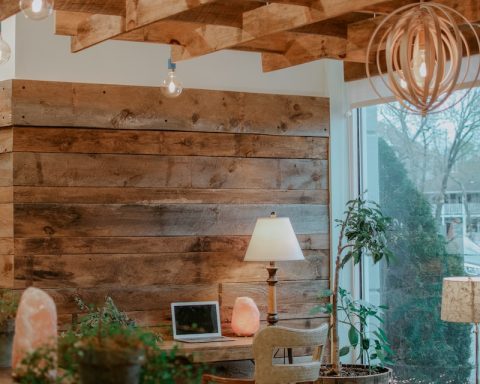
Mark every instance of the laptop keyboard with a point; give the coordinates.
(206, 339)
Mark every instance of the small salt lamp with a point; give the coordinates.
(245, 317)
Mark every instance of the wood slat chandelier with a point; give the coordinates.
(424, 50)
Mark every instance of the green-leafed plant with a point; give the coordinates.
(8, 305)
(39, 367)
(167, 367)
(108, 327)
(106, 314)
(363, 232)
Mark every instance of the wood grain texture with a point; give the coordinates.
(109, 270)
(132, 245)
(6, 195)
(76, 170)
(6, 140)
(33, 220)
(114, 190)
(166, 143)
(129, 107)
(6, 270)
(6, 169)
(294, 298)
(132, 195)
(6, 246)
(6, 220)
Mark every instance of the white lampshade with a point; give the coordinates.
(461, 299)
(273, 239)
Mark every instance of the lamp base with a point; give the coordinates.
(272, 317)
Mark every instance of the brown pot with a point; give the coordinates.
(383, 377)
(109, 366)
(6, 343)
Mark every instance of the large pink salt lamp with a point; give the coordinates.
(35, 324)
(245, 317)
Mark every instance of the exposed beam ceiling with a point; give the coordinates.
(285, 32)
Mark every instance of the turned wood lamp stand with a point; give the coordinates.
(273, 240)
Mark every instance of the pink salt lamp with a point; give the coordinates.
(245, 317)
(35, 324)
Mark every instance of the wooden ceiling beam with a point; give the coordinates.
(264, 21)
(8, 8)
(275, 17)
(305, 48)
(139, 14)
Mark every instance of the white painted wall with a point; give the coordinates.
(7, 70)
(41, 55)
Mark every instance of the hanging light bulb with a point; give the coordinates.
(171, 87)
(419, 64)
(36, 9)
(5, 50)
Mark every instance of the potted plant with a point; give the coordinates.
(112, 354)
(106, 341)
(8, 309)
(363, 232)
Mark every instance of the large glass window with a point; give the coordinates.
(425, 173)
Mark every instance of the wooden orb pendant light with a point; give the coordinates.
(424, 48)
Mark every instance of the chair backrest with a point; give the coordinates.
(269, 339)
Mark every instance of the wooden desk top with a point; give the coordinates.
(238, 349)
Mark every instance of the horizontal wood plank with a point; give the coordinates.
(6, 220)
(79, 170)
(129, 107)
(34, 220)
(6, 140)
(144, 245)
(134, 299)
(6, 195)
(123, 195)
(6, 169)
(6, 246)
(57, 271)
(6, 118)
(6, 270)
(68, 140)
(294, 298)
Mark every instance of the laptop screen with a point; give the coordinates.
(195, 319)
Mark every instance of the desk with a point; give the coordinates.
(238, 349)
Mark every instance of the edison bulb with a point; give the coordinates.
(171, 87)
(5, 51)
(36, 9)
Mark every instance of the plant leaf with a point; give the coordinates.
(353, 336)
(344, 351)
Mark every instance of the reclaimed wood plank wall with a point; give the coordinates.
(115, 190)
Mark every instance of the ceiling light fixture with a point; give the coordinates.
(424, 49)
(5, 51)
(171, 86)
(36, 9)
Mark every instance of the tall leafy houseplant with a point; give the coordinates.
(362, 233)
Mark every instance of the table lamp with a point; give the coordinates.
(273, 239)
(461, 304)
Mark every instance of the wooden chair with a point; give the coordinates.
(270, 339)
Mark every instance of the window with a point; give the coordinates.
(424, 172)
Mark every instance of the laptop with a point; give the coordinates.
(197, 322)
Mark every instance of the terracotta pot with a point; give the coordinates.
(383, 377)
(108, 366)
(6, 343)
